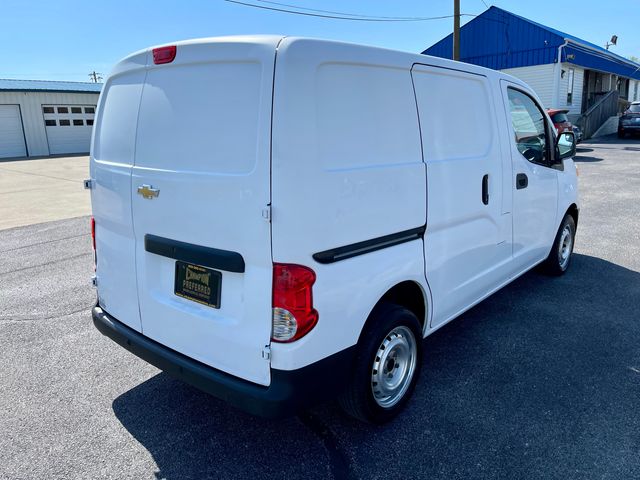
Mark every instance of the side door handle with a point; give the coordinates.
(522, 181)
(485, 189)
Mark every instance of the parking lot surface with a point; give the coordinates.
(42, 189)
(541, 380)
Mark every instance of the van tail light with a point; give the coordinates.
(293, 312)
(93, 242)
(164, 54)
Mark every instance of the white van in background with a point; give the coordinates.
(280, 221)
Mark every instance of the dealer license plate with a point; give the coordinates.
(198, 284)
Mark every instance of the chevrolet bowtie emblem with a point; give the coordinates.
(147, 191)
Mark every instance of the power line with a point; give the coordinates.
(345, 16)
(485, 3)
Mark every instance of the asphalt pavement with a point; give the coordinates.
(541, 380)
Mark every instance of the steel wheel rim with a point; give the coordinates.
(566, 245)
(393, 366)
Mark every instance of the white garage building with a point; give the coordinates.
(40, 118)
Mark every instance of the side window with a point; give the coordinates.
(529, 127)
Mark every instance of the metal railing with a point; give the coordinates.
(598, 113)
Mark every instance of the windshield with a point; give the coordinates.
(560, 118)
(634, 108)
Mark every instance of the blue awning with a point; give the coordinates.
(586, 57)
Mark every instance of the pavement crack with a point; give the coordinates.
(38, 175)
(45, 264)
(15, 319)
(45, 242)
(339, 464)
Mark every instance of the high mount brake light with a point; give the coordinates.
(293, 312)
(164, 54)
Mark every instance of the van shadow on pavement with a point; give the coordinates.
(581, 157)
(541, 380)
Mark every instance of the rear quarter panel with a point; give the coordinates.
(346, 167)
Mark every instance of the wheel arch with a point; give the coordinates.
(409, 294)
(574, 211)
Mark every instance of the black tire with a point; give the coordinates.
(556, 263)
(386, 321)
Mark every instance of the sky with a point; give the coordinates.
(67, 39)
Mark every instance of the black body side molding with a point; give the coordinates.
(367, 246)
(187, 252)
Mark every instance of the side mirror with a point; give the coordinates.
(565, 146)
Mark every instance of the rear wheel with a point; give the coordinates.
(560, 256)
(386, 367)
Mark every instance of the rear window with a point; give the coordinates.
(635, 108)
(560, 118)
(114, 139)
(199, 117)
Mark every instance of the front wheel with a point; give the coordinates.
(386, 366)
(560, 256)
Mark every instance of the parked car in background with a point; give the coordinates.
(577, 132)
(629, 122)
(560, 120)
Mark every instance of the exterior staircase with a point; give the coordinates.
(600, 114)
(609, 127)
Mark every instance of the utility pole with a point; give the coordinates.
(95, 77)
(456, 29)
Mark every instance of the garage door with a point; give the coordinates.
(68, 127)
(11, 135)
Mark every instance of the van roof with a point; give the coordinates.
(283, 42)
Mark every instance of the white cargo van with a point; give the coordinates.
(279, 221)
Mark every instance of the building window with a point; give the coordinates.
(47, 110)
(89, 110)
(76, 110)
(65, 123)
(78, 123)
(63, 110)
(89, 122)
(570, 86)
(50, 123)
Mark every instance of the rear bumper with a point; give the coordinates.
(289, 391)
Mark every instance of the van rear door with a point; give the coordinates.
(112, 152)
(200, 198)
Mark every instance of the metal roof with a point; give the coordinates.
(500, 39)
(48, 86)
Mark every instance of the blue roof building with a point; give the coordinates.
(565, 71)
